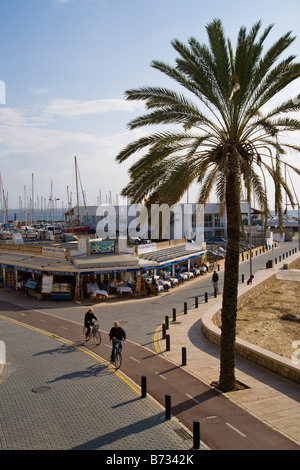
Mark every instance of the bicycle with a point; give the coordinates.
(118, 354)
(94, 332)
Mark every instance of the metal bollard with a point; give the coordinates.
(185, 308)
(243, 277)
(163, 331)
(168, 347)
(206, 297)
(174, 314)
(196, 302)
(196, 434)
(144, 386)
(168, 406)
(167, 322)
(183, 351)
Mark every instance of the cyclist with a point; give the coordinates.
(89, 320)
(116, 333)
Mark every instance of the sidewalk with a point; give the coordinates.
(270, 397)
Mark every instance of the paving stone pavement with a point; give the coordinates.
(55, 397)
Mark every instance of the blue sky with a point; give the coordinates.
(66, 65)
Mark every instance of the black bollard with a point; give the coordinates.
(206, 297)
(183, 351)
(163, 331)
(196, 302)
(168, 347)
(174, 314)
(167, 322)
(185, 308)
(144, 386)
(196, 434)
(168, 406)
(243, 277)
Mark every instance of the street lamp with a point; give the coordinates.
(298, 224)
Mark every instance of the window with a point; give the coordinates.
(208, 220)
(217, 220)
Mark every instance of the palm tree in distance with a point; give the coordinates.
(225, 136)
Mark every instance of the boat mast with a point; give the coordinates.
(4, 200)
(76, 176)
(32, 200)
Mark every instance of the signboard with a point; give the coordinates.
(100, 247)
(53, 252)
(47, 284)
(147, 248)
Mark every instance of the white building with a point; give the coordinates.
(213, 224)
(216, 225)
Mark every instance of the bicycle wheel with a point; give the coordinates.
(118, 359)
(84, 333)
(97, 337)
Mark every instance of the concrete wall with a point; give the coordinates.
(271, 361)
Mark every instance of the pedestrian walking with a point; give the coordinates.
(215, 280)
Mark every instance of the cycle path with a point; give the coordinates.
(224, 425)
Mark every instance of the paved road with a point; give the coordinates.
(141, 317)
(223, 425)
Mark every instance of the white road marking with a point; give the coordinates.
(192, 398)
(157, 373)
(236, 430)
(134, 359)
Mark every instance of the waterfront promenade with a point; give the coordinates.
(273, 400)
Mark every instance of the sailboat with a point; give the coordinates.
(75, 225)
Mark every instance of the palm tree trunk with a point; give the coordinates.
(227, 379)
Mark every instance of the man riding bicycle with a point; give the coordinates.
(116, 333)
(89, 320)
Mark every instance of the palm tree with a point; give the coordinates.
(224, 135)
